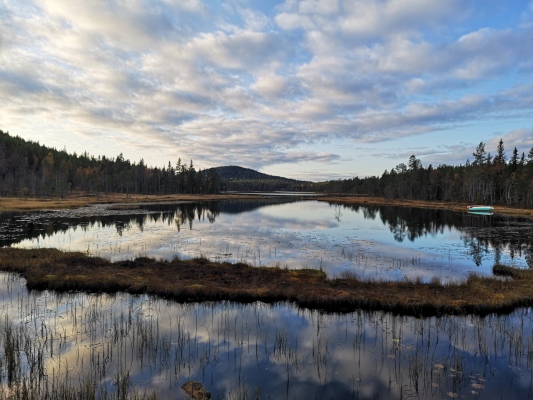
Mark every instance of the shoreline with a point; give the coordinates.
(435, 205)
(21, 204)
(199, 280)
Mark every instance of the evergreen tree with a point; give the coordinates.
(28, 168)
(500, 157)
(480, 154)
(513, 163)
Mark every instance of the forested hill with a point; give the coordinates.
(233, 172)
(28, 168)
(239, 178)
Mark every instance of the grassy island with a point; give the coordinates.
(203, 280)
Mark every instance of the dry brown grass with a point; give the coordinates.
(201, 279)
(436, 205)
(195, 390)
(80, 200)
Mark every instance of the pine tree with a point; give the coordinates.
(513, 163)
(479, 154)
(500, 157)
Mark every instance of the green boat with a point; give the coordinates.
(487, 213)
(480, 208)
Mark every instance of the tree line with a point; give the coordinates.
(30, 169)
(487, 179)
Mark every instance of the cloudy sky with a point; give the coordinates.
(308, 89)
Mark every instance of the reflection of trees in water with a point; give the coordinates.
(15, 227)
(18, 227)
(187, 213)
(410, 223)
(338, 213)
(479, 233)
(477, 250)
(238, 206)
(120, 227)
(504, 236)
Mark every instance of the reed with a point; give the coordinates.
(26, 378)
(85, 346)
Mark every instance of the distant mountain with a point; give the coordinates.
(238, 178)
(233, 172)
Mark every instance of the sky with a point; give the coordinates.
(306, 89)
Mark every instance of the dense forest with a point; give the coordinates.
(30, 169)
(487, 179)
(239, 179)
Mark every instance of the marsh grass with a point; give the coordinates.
(85, 346)
(201, 279)
(84, 199)
(25, 373)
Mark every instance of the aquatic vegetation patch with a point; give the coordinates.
(201, 279)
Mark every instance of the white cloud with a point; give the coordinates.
(254, 21)
(270, 85)
(192, 6)
(234, 79)
(380, 19)
(322, 7)
(477, 52)
(522, 139)
(294, 21)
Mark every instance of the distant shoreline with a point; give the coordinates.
(80, 200)
(435, 205)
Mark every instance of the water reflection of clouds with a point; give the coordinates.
(383, 243)
(282, 351)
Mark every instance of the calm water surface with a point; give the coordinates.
(260, 351)
(374, 242)
(135, 343)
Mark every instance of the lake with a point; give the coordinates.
(373, 242)
(124, 346)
